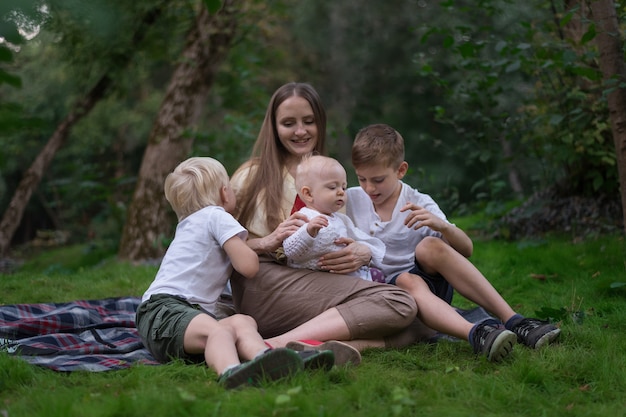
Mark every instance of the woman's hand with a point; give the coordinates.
(275, 239)
(346, 260)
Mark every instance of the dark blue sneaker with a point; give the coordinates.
(535, 333)
(493, 342)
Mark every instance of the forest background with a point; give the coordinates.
(507, 108)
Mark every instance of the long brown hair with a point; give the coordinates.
(265, 184)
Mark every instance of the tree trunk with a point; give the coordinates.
(611, 48)
(514, 179)
(149, 217)
(32, 177)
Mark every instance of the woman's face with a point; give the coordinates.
(295, 123)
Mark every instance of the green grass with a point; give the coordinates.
(575, 283)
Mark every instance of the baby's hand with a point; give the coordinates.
(315, 224)
(420, 217)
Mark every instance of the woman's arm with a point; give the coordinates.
(275, 239)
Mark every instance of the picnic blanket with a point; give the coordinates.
(88, 335)
(91, 335)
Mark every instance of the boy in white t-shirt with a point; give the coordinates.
(321, 184)
(427, 255)
(177, 316)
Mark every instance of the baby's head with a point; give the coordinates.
(321, 183)
(196, 183)
(378, 145)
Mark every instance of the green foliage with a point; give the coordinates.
(516, 79)
(91, 179)
(213, 5)
(254, 69)
(493, 73)
(5, 78)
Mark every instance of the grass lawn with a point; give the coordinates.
(576, 283)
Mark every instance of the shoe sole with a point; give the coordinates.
(547, 338)
(344, 353)
(270, 366)
(502, 346)
(322, 359)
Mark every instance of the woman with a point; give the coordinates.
(294, 304)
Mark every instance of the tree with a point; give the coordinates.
(148, 219)
(537, 85)
(611, 47)
(33, 175)
(11, 113)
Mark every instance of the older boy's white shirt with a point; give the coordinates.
(303, 250)
(195, 266)
(399, 240)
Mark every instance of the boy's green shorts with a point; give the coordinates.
(161, 323)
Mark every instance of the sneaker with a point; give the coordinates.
(317, 359)
(271, 365)
(7, 345)
(495, 343)
(536, 333)
(344, 353)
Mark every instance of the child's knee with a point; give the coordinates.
(403, 280)
(240, 321)
(431, 250)
(410, 282)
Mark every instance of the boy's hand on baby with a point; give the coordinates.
(420, 217)
(316, 224)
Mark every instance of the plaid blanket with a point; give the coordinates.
(88, 335)
(91, 335)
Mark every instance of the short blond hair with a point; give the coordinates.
(311, 167)
(194, 184)
(378, 144)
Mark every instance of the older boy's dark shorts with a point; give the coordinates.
(437, 284)
(161, 322)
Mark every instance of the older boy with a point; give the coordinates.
(427, 255)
